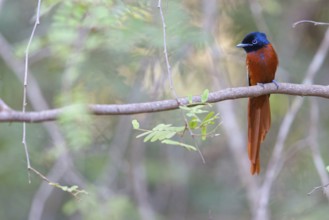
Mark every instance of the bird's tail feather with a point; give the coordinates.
(259, 122)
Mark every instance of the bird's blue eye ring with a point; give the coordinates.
(254, 41)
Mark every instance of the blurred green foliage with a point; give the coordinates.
(103, 51)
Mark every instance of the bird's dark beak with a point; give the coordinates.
(243, 45)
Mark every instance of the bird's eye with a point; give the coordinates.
(254, 41)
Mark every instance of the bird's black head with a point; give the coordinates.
(253, 41)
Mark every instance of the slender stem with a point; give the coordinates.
(171, 84)
(37, 21)
(309, 21)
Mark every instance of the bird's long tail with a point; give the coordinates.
(259, 122)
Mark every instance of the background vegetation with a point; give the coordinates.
(105, 51)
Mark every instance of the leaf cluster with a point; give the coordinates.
(198, 120)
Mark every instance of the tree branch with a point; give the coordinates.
(309, 21)
(8, 115)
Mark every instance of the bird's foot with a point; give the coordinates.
(273, 81)
(261, 85)
(276, 84)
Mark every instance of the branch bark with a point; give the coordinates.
(9, 115)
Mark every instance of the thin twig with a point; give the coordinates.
(43, 177)
(74, 192)
(37, 21)
(309, 21)
(38, 102)
(317, 188)
(171, 84)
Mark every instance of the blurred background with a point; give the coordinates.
(111, 52)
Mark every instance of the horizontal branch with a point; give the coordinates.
(9, 115)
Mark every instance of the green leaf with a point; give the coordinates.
(161, 135)
(168, 135)
(161, 132)
(185, 108)
(209, 116)
(196, 107)
(197, 110)
(149, 137)
(178, 129)
(193, 123)
(171, 142)
(200, 111)
(157, 136)
(204, 96)
(209, 119)
(143, 134)
(135, 124)
(190, 114)
(328, 169)
(161, 127)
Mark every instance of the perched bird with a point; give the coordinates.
(261, 62)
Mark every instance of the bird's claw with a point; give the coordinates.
(261, 85)
(276, 84)
(273, 81)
